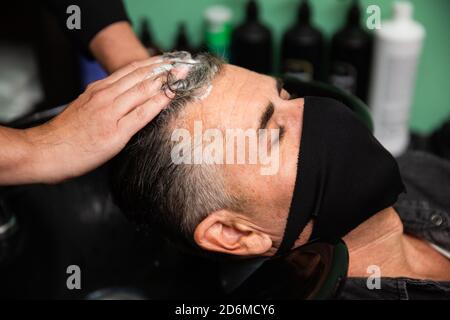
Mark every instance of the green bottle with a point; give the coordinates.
(218, 30)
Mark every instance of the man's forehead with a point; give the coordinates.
(234, 94)
(233, 77)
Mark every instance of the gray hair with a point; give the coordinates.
(153, 191)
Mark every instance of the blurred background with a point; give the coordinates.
(31, 24)
(431, 98)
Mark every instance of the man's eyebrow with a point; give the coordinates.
(265, 117)
(270, 109)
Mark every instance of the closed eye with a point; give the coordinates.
(282, 132)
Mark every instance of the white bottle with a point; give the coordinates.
(398, 44)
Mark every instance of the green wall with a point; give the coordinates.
(432, 97)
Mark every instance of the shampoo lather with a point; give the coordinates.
(398, 45)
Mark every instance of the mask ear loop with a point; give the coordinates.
(309, 186)
(296, 220)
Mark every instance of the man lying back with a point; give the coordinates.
(234, 166)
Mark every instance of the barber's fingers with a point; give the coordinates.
(120, 73)
(138, 94)
(180, 71)
(112, 91)
(132, 67)
(156, 65)
(142, 114)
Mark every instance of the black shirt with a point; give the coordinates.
(95, 16)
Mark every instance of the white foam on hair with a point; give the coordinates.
(159, 70)
(205, 94)
(184, 59)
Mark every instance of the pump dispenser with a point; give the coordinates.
(351, 53)
(398, 45)
(302, 47)
(251, 45)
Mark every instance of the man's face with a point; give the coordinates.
(241, 99)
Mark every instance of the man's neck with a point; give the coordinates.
(380, 241)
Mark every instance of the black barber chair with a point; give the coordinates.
(299, 88)
(48, 228)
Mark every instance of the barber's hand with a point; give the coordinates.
(99, 123)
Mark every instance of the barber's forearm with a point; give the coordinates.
(90, 131)
(116, 46)
(16, 155)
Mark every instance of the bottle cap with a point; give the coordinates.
(304, 12)
(354, 14)
(218, 29)
(218, 14)
(252, 11)
(403, 10)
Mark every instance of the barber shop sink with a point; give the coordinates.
(76, 223)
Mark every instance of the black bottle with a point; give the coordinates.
(351, 54)
(251, 43)
(182, 41)
(147, 39)
(302, 48)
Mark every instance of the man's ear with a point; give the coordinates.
(222, 231)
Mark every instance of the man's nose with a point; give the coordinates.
(293, 112)
(298, 102)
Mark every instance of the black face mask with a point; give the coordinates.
(344, 175)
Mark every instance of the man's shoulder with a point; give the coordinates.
(425, 213)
